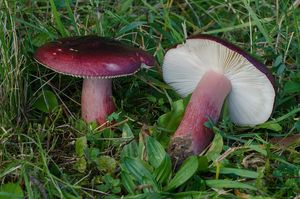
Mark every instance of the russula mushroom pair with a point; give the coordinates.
(97, 60)
(212, 70)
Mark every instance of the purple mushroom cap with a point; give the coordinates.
(97, 60)
(92, 56)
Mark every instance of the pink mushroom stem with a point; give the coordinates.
(192, 137)
(96, 100)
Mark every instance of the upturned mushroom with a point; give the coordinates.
(212, 70)
(97, 60)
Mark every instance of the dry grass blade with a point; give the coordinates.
(296, 3)
(286, 141)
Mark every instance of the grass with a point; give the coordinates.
(46, 151)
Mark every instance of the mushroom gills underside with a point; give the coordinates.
(252, 96)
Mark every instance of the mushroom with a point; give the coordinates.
(212, 70)
(97, 60)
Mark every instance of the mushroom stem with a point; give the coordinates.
(96, 100)
(192, 137)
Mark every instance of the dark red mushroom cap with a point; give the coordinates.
(92, 57)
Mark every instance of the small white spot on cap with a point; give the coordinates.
(59, 49)
(72, 49)
(112, 67)
(53, 53)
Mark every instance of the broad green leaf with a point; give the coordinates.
(151, 98)
(81, 125)
(164, 171)
(281, 68)
(203, 163)
(149, 185)
(186, 171)
(46, 102)
(220, 184)
(127, 132)
(278, 61)
(272, 126)
(109, 180)
(130, 149)
(113, 117)
(127, 182)
(103, 187)
(115, 190)
(137, 168)
(110, 184)
(155, 151)
(291, 87)
(11, 191)
(171, 120)
(239, 172)
(216, 148)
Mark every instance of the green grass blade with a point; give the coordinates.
(239, 26)
(72, 17)
(57, 18)
(258, 22)
(186, 171)
(238, 172)
(229, 184)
